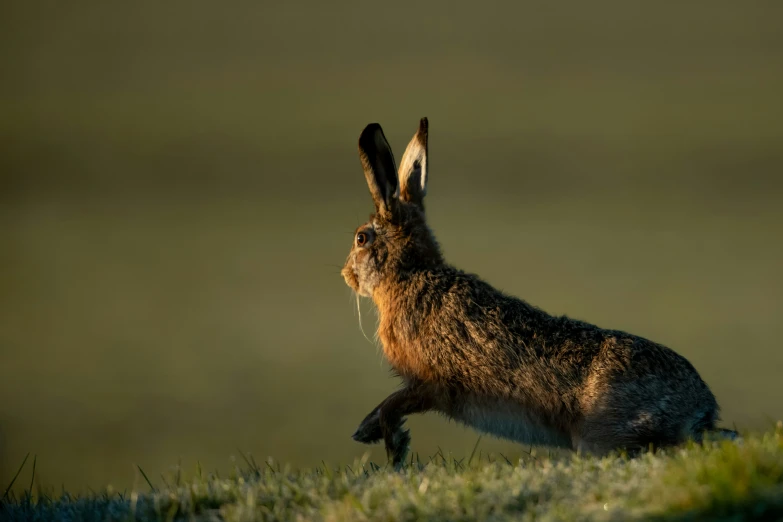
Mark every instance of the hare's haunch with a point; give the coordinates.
(491, 360)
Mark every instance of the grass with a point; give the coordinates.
(720, 480)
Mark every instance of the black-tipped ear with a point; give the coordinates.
(413, 167)
(379, 167)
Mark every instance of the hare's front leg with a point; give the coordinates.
(369, 430)
(386, 421)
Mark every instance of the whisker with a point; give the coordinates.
(359, 309)
(333, 267)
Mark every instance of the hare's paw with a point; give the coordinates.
(397, 448)
(369, 431)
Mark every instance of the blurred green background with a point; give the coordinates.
(179, 184)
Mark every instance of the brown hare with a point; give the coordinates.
(495, 362)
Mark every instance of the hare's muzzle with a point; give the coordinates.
(350, 276)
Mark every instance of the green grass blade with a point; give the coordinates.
(15, 477)
(32, 478)
(146, 478)
(473, 453)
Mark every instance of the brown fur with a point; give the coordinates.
(491, 360)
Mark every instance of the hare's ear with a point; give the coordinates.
(413, 167)
(379, 168)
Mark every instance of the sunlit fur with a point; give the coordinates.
(493, 361)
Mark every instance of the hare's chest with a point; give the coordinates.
(407, 362)
(405, 347)
(405, 358)
(510, 421)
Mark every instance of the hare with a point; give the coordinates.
(495, 362)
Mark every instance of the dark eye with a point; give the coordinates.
(361, 239)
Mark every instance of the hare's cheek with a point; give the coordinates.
(364, 272)
(360, 257)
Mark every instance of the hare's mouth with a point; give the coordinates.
(350, 278)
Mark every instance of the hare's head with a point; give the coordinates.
(396, 239)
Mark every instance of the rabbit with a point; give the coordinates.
(492, 361)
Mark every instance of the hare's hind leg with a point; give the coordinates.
(600, 436)
(637, 427)
(634, 423)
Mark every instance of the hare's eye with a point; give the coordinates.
(361, 239)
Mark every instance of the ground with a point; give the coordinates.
(720, 480)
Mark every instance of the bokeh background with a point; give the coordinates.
(179, 184)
